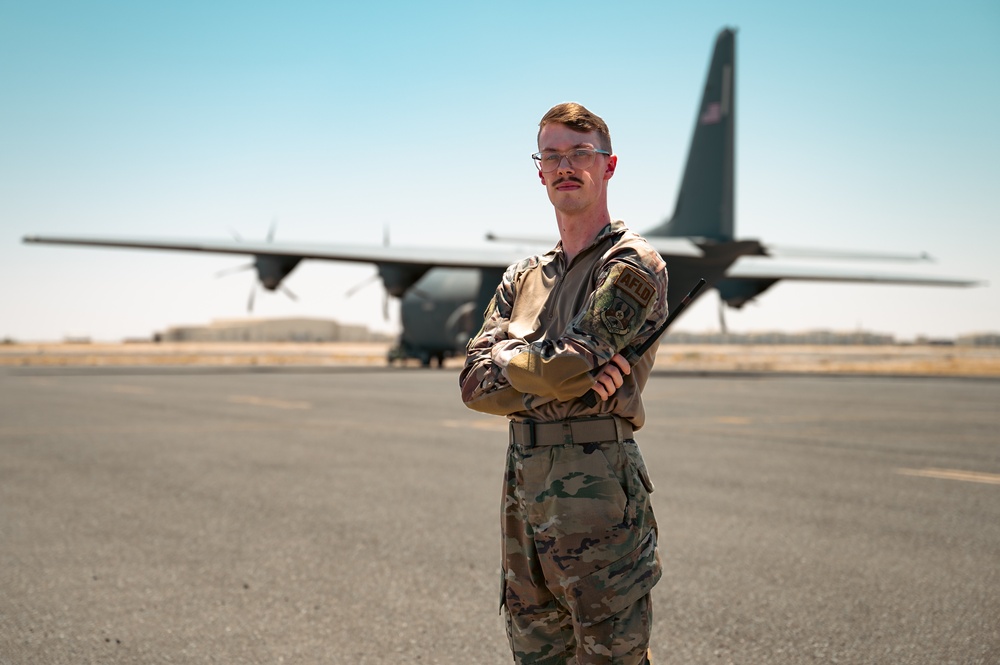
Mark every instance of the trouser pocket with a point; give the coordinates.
(503, 589)
(611, 589)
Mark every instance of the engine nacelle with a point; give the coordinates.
(271, 269)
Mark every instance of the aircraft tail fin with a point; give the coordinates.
(705, 202)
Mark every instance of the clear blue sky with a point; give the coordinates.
(868, 126)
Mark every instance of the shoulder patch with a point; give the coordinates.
(635, 284)
(618, 317)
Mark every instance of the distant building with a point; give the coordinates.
(271, 330)
(811, 337)
(979, 339)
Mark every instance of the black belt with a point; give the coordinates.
(576, 431)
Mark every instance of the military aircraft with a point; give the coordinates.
(443, 291)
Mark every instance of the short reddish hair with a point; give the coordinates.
(579, 119)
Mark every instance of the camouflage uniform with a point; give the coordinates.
(579, 535)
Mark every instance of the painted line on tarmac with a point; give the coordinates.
(265, 401)
(130, 390)
(492, 425)
(953, 474)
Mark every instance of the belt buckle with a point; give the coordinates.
(523, 433)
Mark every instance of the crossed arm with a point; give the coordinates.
(504, 374)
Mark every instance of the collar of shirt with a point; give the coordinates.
(616, 226)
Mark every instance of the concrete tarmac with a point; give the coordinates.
(351, 515)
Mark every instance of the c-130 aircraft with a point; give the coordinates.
(444, 291)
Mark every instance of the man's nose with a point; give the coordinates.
(564, 158)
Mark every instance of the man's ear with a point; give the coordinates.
(541, 176)
(612, 165)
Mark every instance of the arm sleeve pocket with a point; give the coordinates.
(610, 590)
(501, 402)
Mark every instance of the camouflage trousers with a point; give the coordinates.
(579, 554)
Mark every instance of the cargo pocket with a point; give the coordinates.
(503, 589)
(613, 588)
(508, 628)
(635, 457)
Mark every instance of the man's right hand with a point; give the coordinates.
(610, 378)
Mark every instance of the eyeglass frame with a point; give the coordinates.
(537, 157)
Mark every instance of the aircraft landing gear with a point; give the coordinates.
(426, 358)
(402, 353)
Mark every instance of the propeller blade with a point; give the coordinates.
(230, 271)
(270, 231)
(288, 292)
(357, 287)
(722, 317)
(253, 291)
(421, 294)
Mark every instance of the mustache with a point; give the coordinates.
(567, 179)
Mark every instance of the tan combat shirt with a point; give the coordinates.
(550, 324)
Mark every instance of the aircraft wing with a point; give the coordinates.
(764, 268)
(452, 257)
(448, 257)
(783, 251)
(791, 252)
(754, 268)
